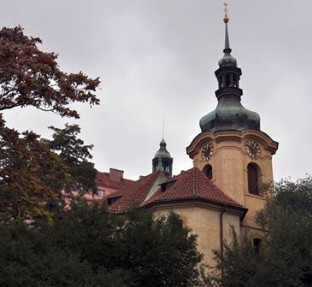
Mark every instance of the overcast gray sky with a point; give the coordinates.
(156, 60)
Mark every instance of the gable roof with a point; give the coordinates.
(156, 188)
(135, 194)
(192, 185)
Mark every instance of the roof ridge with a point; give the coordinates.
(135, 194)
(193, 184)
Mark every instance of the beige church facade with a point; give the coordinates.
(232, 161)
(210, 223)
(229, 165)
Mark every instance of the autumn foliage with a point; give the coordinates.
(30, 77)
(32, 170)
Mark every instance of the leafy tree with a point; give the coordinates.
(31, 176)
(30, 77)
(88, 246)
(31, 172)
(29, 257)
(75, 155)
(34, 171)
(159, 252)
(286, 257)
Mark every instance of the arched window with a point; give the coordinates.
(253, 171)
(235, 81)
(208, 171)
(227, 81)
(257, 245)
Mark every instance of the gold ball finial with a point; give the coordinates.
(226, 19)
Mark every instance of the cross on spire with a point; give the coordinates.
(225, 7)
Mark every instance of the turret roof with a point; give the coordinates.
(162, 152)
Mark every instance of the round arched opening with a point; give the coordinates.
(208, 171)
(253, 173)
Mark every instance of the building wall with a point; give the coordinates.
(229, 161)
(204, 220)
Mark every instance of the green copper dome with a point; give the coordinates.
(162, 160)
(229, 113)
(162, 152)
(228, 60)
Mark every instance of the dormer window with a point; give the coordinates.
(166, 185)
(100, 192)
(112, 200)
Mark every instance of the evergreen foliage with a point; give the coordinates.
(75, 154)
(88, 246)
(285, 258)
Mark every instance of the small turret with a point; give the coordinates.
(162, 159)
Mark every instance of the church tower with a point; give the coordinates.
(162, 159)
(231, 149)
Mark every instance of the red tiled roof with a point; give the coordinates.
(117, 193)
(103, 179)
(192, 185)
(135, 194)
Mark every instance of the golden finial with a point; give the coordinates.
(226, 18)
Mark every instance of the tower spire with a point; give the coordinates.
(228, 59)
(229, 113)
(163, 130)
(227, 48)
(226, 19)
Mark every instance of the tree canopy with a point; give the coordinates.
(31, 77)
(33, 170)
(88, 246)
(285, 258)
(75, 154)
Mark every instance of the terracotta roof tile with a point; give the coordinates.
(192, 185)
(103, 179)
(135, 194)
